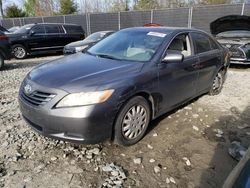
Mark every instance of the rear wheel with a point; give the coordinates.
(19, 51)
(217, 84)
(132, 122)
(1, 62)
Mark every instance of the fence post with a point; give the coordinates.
(42, 19)
(190, 17)
(89, 23)
(152, 16)
(119, 20)
(64, 19)
(243, 9)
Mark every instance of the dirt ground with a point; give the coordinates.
(185, 148)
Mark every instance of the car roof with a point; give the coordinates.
(58, 24)
(163, 29)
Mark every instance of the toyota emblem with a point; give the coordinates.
(28, 89)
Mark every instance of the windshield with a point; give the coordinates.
(24, 28)
(129, 45)
(96, 36)
(237, 33)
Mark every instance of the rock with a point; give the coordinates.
(155, 134)
(187, 161)
(53, 158)
(195, 116)
(236, 150)
(149, 146)
(151, 160)
(172, 180)
(137, 161)
(244, 126)
(107, 168)
(167, 181)
(188, 108)
(95, 151)
(195, 128)
(28, 179)
(114, 173)
(157, 169)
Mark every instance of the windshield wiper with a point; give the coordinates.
(107, 56)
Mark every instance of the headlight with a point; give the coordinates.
(85, 98)
(80, 48)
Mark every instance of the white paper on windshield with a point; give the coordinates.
(157, 34)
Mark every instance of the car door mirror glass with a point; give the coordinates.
(173, 58)
(32, 32)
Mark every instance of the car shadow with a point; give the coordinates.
(222, 163)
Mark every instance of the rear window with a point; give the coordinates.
(73, 29)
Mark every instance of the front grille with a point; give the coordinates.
(236, 52)
(37, 98)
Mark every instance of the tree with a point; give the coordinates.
(67, 7)
(120, 5)
(146, 4)
(30, 7)
(1, 8)
(13, 11)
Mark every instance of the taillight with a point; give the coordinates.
(4, 37)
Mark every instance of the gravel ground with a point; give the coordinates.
(184, 148)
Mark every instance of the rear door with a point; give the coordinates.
(177, 81)
(209, 59)
(53, 37)
(72, 33)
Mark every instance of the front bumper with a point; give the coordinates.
(86, 124)
(240, 61)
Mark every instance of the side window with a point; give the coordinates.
(73, 29)
(52, 29)
(39, 29)
(182, 44)
(201, 43)
(214, 46)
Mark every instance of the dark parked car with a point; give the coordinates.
(233, 32)
(42, 38)
(5, 50)
(92, 39)
(118, 85)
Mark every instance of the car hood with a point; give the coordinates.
(78, 72)
(79, 43)
(230, 23)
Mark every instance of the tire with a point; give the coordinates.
(19, 51)
(1, 62)
(217, 84)
(132, 122)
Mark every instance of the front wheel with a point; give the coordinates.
(19, 51)
(132, 122)
(217, 83)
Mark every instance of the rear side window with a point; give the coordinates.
(214, 45)
(52, 29)
(73, 29)
(38, 29)
(201, 42)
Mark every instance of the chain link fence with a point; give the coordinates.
(196, 17)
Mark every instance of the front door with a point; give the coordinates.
(177, 80)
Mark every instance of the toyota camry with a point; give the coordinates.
(114, 89)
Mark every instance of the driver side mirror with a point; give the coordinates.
(32, 33)
(173, 58)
